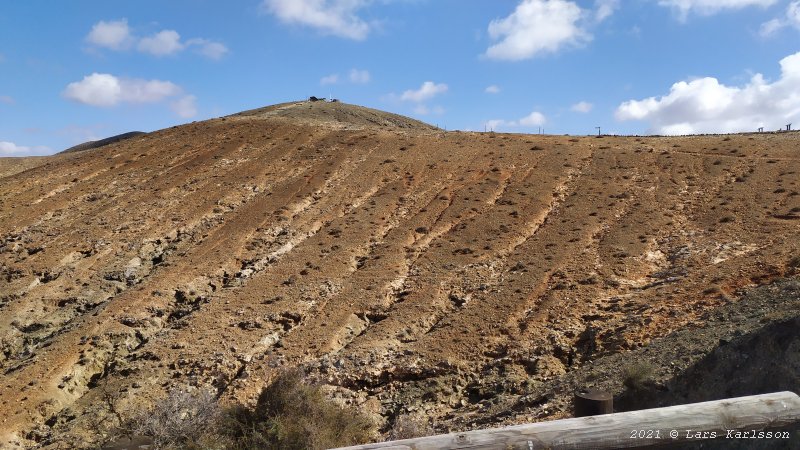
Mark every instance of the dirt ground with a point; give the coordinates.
(454, 275)
(11, 166)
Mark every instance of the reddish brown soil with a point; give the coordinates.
(399, 262)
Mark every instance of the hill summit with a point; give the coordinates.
(336, 113)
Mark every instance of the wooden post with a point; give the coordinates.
(648, 427)
(592, 402)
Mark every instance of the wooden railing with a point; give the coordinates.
(720, 419)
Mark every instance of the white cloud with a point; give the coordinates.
(8, 100)
(424, 110)
(115, 35)
(771, 27)
(428, 90)
(706, 106)
(77, 134)
(494, 124)
(12, 149)
(329, 79)
(102, 89)
(166, 42)
(534, 119)
(356, 76)
(335, 17)
(793, 14)
(582, 107)
(710, 7)
(359, 76)
(493, 89)
(185, 106)
(535, 27)
(97, 89)
(209, 49)
(791, 18)
(604, 9)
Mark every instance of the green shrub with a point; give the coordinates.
(638, 376)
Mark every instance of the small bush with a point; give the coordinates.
(638, 376)
(713, 289)
(407, 426)
(182, 420)
(794, 264)
(292, 414)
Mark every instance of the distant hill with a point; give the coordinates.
(102, 142)
(12, 165)
(336, 113)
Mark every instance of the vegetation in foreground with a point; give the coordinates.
(290, 414)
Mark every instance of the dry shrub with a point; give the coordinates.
(292, 414)
(182, 420)
(794, 264)
(638, 376)
(409, 426)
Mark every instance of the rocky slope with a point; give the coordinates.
(101, 142)
(409, 269)
(11, 165)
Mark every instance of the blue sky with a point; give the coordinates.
(100, 68)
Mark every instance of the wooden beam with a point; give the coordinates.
(648, 427)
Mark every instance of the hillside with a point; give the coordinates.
(410, 269)
(13, 165)
(101, 142)
(334, 114)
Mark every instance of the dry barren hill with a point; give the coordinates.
(409, 269)
(11, 165)
(101, 142)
